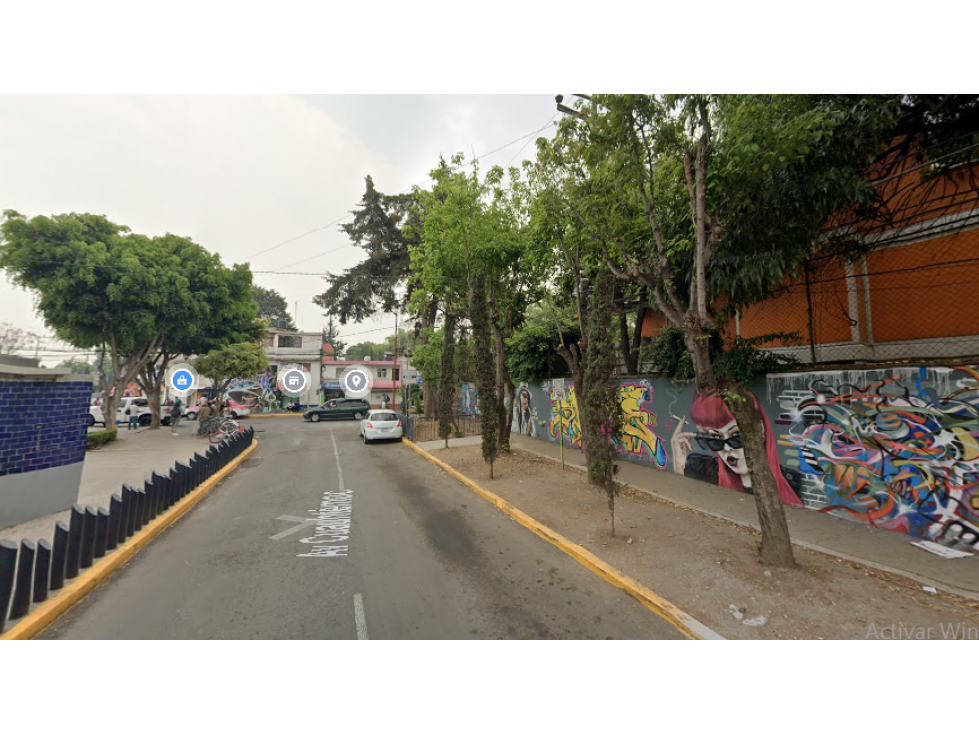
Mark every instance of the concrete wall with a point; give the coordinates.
(43, 424)
(894, 448)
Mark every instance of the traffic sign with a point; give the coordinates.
(558, 389)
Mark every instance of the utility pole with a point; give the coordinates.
(394, 369)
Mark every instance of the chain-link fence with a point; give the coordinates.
(906, 300)
(418, 428)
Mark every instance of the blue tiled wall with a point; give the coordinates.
(42, 424)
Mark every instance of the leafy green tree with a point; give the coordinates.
(490, 405)
(662, 185)
(386, 227)
(365, 349)
(224, 364)
(210, 305)
(601, 412)
(447, 383)
(77, 366)
(272, 307)
(97, 285)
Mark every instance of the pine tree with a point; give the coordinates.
(489, 407)
(447, 382)
(602, 417)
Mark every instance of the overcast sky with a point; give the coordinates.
(242, 174)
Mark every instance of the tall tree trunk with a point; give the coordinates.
(428, 390)
(776, 545)
(503, 379)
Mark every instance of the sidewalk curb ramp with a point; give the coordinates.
(689, 626)
(45, 614)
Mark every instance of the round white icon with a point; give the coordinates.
(357, 382)
(293, 381)
(181, 378)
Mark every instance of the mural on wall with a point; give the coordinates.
(468, 400)
(637, 439)
(525, 419)
(900, 452)
(257, 393)
(714, 452)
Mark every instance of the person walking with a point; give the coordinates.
(176, 412)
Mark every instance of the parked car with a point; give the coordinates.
(95, 413)
(356, 408)
(381, 424)
(239, 410)
(141, 404)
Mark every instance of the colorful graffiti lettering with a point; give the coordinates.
(636, 439)
(897, 456)
(637, 436)
(565, 424)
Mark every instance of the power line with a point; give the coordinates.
(404, 191)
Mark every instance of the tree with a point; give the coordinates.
(661, 185)
(331, 336)
(210, 306)
(601, 412)
(13, 339)
(77, 366)
(272, 307)
(97, 285)
(224, 364)
(365, 349)
(447, 383)
(490, 406)
(386, 227)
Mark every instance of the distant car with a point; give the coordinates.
(339, 409)
(238, 410)
(140, 404)
(380, 424)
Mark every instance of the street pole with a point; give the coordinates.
(394, 369)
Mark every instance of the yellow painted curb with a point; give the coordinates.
(689, 626)
(46, 613)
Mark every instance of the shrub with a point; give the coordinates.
(97, 439)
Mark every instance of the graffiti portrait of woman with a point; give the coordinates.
(524, 418)
(718, 432)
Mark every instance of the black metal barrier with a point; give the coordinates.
(28, 573)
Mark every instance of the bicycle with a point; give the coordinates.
(225, 429)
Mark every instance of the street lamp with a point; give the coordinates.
(567, 110)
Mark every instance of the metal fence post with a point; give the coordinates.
(8, 569)
(128, 512)
(112, 530)
(101, 532)
(88, 537)
(75, 528)
(59, 556)
(25, 580)
(42, 571)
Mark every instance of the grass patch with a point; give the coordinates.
(97, 439)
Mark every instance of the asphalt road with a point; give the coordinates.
(426, 559)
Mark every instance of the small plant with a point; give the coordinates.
(458, 434)
(97, 439)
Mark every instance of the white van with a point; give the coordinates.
(141, 404)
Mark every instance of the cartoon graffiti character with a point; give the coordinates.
(718, 432)
(636, 435)
(524, 414)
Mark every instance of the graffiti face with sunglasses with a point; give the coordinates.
(726, 443)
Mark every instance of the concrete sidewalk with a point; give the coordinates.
(881, 549)
(130, 459)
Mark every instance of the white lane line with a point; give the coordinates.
(336, 453)
(359, 617)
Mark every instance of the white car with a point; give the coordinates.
(381, 424)
(95, 413)
(140, 404)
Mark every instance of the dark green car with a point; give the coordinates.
(355, 408)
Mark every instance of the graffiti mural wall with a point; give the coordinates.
(896, 449)
(257, 393)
